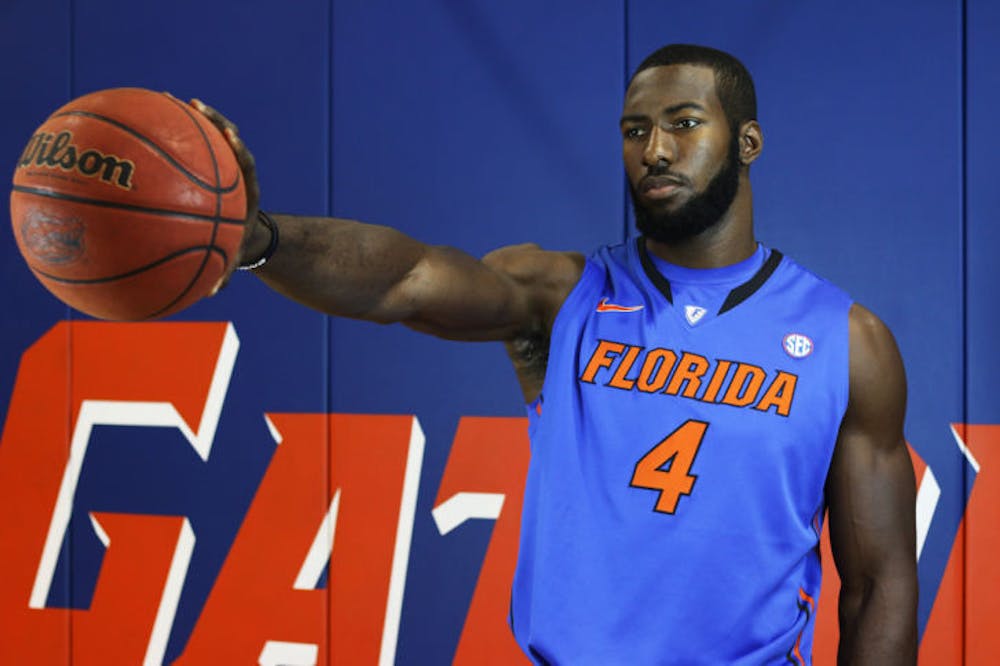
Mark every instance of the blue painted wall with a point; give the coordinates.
(480, 124)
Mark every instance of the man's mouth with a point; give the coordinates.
(659, 187)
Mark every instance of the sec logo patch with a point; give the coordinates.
(797, 345)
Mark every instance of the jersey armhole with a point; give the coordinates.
(591, 276)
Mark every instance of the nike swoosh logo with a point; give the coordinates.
(604, 306)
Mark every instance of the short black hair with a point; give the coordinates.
(733, 83)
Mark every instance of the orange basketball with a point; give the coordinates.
(128, 204)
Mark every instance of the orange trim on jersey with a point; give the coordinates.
(810, 610)
(795, 650)
(805, 597)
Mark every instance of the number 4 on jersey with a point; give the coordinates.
(667, 465)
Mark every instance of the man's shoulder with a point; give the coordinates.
(530, 263)
(794, 276)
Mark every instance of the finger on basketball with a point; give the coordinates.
(243, 154)
(248, 165)
(213, 114)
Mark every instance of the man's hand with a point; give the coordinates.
(255, 236)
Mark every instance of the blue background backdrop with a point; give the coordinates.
(480, 124)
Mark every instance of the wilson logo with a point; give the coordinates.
(57, 151)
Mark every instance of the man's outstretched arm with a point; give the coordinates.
(379, 274)
(871, 497)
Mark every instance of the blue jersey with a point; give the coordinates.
(679, 451)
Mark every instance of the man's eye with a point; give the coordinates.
(634, 133)
(687, 123)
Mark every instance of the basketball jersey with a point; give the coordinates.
(679, 450)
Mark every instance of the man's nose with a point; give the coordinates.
(659, 148)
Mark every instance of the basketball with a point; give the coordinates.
(128, 204)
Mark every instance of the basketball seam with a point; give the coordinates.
(218, 210)
(134, 271)
(164, 154)
(130, 207)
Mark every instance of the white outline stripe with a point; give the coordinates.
(283, 653)
(273, 429)
(99, 530)
(928, 495)
(172, 589)
(202, 441)
(320, 550)
(965, 450)
(401, 554)
(463, 506)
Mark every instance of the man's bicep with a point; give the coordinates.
(453, 295)
(871, 498)
(870, 487)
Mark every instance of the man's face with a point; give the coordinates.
(681, 158)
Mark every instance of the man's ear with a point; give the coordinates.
(751, 140)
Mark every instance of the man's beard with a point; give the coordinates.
(699, 214)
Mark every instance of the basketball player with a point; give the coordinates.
(696, 400)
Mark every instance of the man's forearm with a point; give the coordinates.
(375, 273)
(336, 266)
(878, 623)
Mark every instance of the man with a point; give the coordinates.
(695, 400)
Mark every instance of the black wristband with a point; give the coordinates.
(271, 246)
